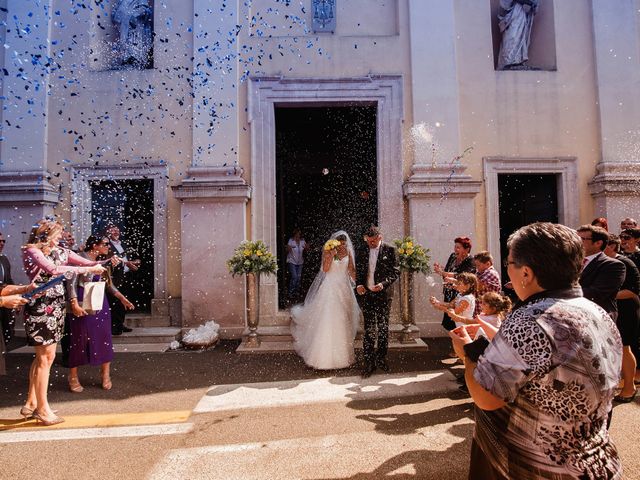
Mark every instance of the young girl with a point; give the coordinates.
(493, 309)
(461, 308)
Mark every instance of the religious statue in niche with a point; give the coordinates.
(324, 16)
(515, 21)
(134, 22)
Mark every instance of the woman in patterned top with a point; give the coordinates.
(44, 316)
(543, 388)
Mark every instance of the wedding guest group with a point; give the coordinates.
(44, 316)
(88, 334)
(554, 365)
(628, 321)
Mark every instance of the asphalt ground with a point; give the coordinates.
(394, 434)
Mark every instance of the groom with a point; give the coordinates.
(376, 270)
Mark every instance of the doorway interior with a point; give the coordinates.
(524, 199)
(326, 174)
(129, 205)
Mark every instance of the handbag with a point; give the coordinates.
(93, 298)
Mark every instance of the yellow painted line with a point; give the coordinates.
(106, 420)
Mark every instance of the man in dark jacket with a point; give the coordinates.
(7, 317)
(376, 271)
(601, 275)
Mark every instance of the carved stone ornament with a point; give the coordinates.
(324, 16)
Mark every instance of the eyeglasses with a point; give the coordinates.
(622, 237)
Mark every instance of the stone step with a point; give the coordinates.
(144, 320)
(282, 333)
(164, 335)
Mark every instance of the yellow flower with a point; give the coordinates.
(410, 251)
(401, 251)
(259, 253)
(409, 244)
(247, 253)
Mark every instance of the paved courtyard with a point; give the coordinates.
(220, 415)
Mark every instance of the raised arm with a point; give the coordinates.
(35, 262)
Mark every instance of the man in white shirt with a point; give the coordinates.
(376, 271)
(118, 276)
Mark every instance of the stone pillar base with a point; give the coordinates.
(615, 190)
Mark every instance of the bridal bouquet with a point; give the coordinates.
(330, 245)
(252, 257)
(412, 257)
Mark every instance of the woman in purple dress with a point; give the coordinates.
(44, 316)
(89, 335)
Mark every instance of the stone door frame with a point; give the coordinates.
(83, 175)
(566, 169)
(265, 93)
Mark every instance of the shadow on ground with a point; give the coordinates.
(137, 374)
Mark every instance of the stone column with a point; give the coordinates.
(616, 185)
(213, 196)
(441, 208)
(434, 77)
(213, 223)
(26, 196)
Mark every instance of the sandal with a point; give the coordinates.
(629, 399)
(74, 385)
(45, 421)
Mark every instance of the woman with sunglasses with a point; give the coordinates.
(88, 340)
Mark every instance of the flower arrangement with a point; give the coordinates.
(252, 257)
(330, 245)
(412, 257)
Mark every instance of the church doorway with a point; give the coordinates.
(326, 175)
(525, 199)
(129, 205)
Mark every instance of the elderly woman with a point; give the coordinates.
(459, 261)
(44, 316)
(543, 388)
(89, 334)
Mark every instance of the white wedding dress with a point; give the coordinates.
(325, 326)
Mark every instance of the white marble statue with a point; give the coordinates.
(516, 20)
(134, 19)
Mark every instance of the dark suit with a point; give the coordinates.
(119, 279)
(7, 317)
(376, 306)
(601, 280)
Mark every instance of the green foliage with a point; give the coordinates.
(252, 257)
(412, 257)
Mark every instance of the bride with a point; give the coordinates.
(324, 326)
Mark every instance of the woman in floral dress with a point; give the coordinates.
(44, 316)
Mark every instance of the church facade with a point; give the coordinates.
(177, 120)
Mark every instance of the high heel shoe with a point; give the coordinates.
(46, 422)
(74, 385)
(629, 399)
(106, 383)
(27, 413)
